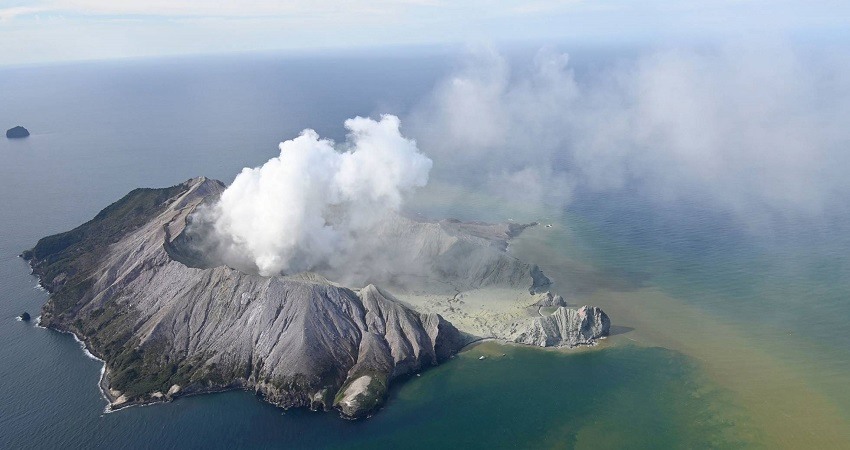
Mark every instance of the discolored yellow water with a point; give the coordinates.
(776, 383)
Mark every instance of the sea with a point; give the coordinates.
(722, 336)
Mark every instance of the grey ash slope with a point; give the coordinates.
(133, 286)
(165, 329)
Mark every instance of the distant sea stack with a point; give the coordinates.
(17, 132)
(25, 316)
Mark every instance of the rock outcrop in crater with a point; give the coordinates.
(565, 327)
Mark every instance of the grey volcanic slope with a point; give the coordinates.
(165, 329)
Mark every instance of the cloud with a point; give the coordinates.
(198, 8)
(306, 207)
(501, 132)
(166, 27)
(7, 14)
(756, 131)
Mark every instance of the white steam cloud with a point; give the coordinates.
(304, 209)
(757, 131)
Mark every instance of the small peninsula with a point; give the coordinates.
(169, 320)
(17, 132)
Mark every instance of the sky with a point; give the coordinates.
(46, 31)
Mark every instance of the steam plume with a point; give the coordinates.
(305, 207)
(756, 130)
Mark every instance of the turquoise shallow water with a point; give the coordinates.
(100, 130)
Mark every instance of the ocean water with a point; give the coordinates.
(723, 338)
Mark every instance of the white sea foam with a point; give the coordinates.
(90, 356)
(106, 409)
(85, 349)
